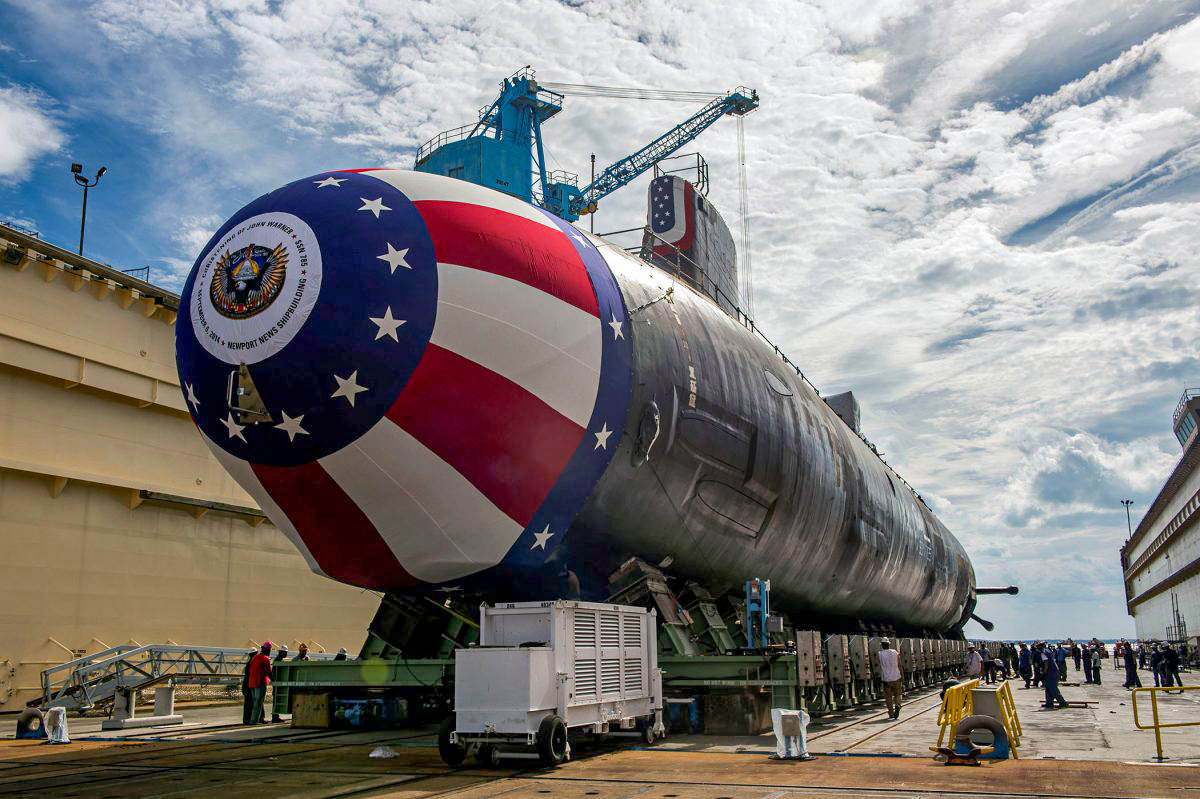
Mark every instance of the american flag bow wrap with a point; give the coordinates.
(446, 370)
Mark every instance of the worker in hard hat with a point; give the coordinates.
(1054, 697)
(259, 677)
(974, 663)
(892, 676)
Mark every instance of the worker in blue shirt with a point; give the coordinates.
(1169, 667)
(1025, 664)
(1050, 676)
(1131, 676)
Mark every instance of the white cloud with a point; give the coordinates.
(191, 234)
(20, 222)
(981, 218)
(27, 131)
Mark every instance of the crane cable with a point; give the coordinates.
(747, 275)
(583, 90)
(625, 93)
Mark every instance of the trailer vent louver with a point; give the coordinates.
(610, 676)
(610, 629)
(633, 675)
(585, 679)
(585, 629)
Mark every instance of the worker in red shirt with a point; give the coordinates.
(257, 680)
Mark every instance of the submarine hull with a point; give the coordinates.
(429, 385)
(732, 466)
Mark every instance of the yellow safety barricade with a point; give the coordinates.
(957, 704)
(1008, 717)
(1158, 725)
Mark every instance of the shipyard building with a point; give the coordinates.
(117, 525)
(1161, 561)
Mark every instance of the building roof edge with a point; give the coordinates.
(1187, 463)
(52, 251)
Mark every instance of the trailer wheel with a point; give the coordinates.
(552, 741)
(452, 754)
(488, 755)
(648, 732)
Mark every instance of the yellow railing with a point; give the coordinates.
(1157, 726)
(957, 704)
(1008, 717)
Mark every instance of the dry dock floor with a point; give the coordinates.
(1089, 752)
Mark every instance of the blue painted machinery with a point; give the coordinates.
(504, 151)
(758, 611)
(497, 151)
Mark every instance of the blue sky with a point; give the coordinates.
(980, 217)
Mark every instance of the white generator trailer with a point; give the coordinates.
(543, 668)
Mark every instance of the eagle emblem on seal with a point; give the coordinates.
(247, 280)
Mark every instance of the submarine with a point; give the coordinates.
(431, 386)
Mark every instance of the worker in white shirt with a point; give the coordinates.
(892, 676)
(974, 663)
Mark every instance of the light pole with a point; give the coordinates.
(1128, 523)
(81, 179)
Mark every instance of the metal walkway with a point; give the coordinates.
(92, 680)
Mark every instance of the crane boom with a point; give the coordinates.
(504, 151)
(738, 102)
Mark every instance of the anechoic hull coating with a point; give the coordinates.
(743, 480)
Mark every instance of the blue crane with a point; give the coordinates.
(504, 150)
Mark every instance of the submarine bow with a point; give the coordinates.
(443, 364)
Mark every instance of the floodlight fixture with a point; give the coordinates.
(81, 180)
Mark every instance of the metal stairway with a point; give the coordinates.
(93, 680)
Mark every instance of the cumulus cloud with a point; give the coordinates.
(27, 132)
(191, 234)
(980, 218)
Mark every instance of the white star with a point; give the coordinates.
(348, 387)
(542, 538)
(292, 426)
(375, 206)
(387, 325)
(616, 325)
(191, 398)
(602, 437)
(330, 181)
(394, 257)
(235, 429)
(575, 235)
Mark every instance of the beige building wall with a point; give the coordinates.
(116, 523)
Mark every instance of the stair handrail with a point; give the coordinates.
(128, 666)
